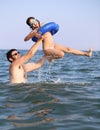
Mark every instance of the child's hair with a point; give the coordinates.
(28, 23)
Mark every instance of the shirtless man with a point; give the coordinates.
(50, 48)
(18, 68)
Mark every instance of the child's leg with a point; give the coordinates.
(73, 51)
(54, 53)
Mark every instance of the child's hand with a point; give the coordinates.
(38, 35)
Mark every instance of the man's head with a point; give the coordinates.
(12, 55)
(33, 23)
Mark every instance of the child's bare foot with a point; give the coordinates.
(90, 52)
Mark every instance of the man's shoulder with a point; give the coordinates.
(15, 63)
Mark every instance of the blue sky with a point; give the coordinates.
(79, 22)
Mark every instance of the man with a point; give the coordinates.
(51, 49)
(18, 68)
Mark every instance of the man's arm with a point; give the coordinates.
(29, 54)
(32, 66)
(32, 51)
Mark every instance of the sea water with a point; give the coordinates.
(63, 95)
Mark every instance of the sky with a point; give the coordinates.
(79, 22)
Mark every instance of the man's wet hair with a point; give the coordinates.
(9, 53)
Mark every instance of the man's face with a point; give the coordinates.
(15, 54)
